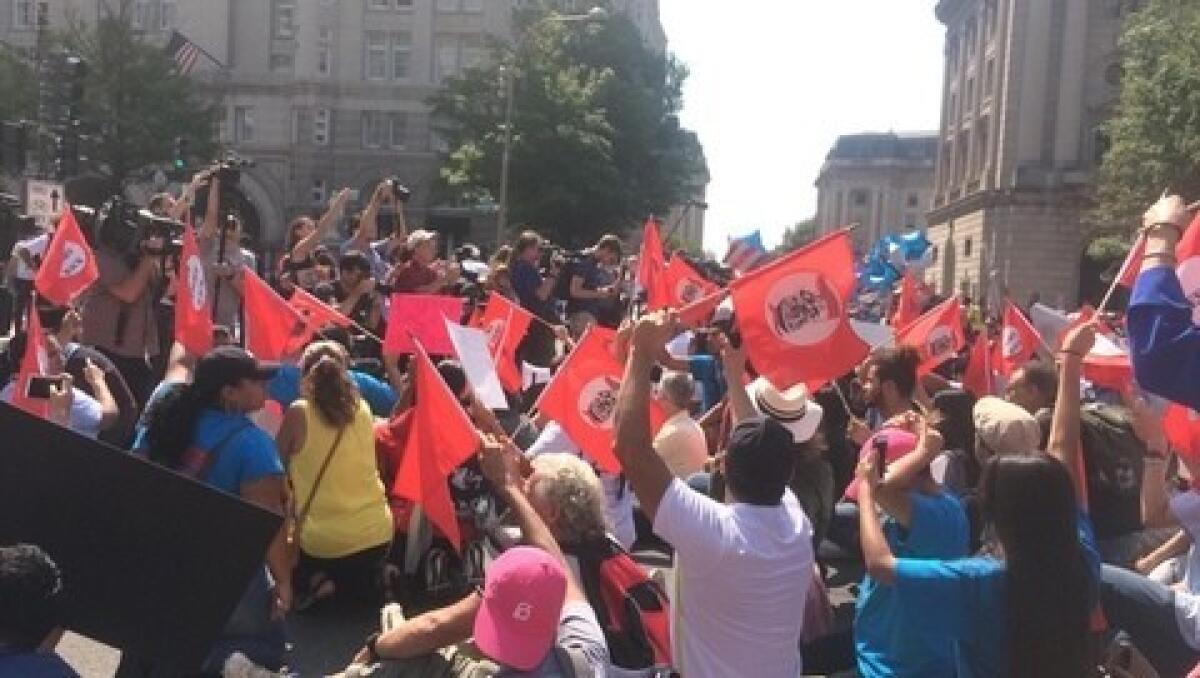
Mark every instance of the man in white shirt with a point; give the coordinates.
(680, 441)
(743, 568)
(28, 255)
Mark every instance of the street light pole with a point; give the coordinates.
(510, 77)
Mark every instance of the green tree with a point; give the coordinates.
(798, 235)
(19, 84)
(597, 144)
(1155, 132)
(135, 103)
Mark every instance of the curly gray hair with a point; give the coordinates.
(570, 484)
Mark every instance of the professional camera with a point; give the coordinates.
(400, 192)
(228, 170)
(124, 228)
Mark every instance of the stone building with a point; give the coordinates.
(883, 182)
(1027, 87)
(327, 93)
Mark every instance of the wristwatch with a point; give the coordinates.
(372, 650)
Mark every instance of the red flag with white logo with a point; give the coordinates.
(273, 329)
(938, 335)
(506, 325)
(979, 378)
(316, 314)
(582, 397)
(69, 266)
(193, 308)
(908, 308)
(33, 364)
(440, 438)
(684, 285)
(652, 266)
(1019, 341)
(697, 313)
(792, 314)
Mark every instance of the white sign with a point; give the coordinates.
(471, 345)
(44, 201)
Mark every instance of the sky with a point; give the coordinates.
(774, 82)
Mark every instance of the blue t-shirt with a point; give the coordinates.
(380, 396)
(962, 601)
(247, 456)
(526, 281)
(707, 372)
(887, 635)
(35, 665)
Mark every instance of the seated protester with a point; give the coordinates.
(680, 442)
(66, 326)
(32, 614)
(327, 442)
(1112, 458)
(70, 406)
(743, 568)
(1026, 612)
(592, 289)
(424, 273)
(298, 267)
(956, 469)
(531, 617)
(923, 520)
(380, 397)
(353, 294)
(202, 430)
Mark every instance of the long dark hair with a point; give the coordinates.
(958, 427)
(1030, 500)
(171, 421)
(327, 384)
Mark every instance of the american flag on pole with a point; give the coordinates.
(184, 52)
(746, 253)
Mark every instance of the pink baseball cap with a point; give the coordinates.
(899, 443)
(523, 594)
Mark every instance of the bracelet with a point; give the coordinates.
(372, 649)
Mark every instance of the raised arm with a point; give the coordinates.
(877, 555)
(212, 210)
(892, 494)
(368, 225)
(1064, 443)
(324, 224)
(634, 447)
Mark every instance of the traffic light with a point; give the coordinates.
(179, 156)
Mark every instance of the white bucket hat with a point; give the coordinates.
(792, 407)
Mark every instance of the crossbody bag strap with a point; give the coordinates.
(312, 494)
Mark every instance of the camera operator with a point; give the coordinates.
(354, 295)
(536, 293)
(223, 270)
(424, 273)
(593, 289)
(364, 229)
(118, 310)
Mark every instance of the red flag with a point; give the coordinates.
(1133, 262)
(1019, 341)
(684, 285)
(316, 313)
(69, 266)
(908, 309)
(1107, 364)
(652, 267)
(33, 364)
(697, 313)
(273, 328)
(440, 438)
(1182, 426)
(937, 335)
(506, 325)
(582, 397)
(979, 378)
(193, 309)
(792, 314)
(420, 316)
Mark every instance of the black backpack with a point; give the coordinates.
(1114, 460)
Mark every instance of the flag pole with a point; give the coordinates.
(837, 387)
(1112, 289)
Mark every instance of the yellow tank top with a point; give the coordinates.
(350, 512)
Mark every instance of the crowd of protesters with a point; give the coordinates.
(1006, 535)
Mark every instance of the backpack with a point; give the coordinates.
(1113, 459)
(633, 610)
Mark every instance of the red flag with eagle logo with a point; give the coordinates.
(193, 308)
(793, 318)
(684, 285)
(69, 266)
(1019, 340)
(938, 335)
(506, 325)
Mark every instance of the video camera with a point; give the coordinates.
(400, 192)
(123, 228)
(14, 226)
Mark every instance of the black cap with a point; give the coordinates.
(759, 460)
(228, 365)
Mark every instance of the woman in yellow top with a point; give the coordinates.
(344, 523)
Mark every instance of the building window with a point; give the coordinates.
(320, 132)
(23, 16)
(282, 62)
(317, 194)
(456, 54)
(379, 4)
(858, 198)
(914, 199)
(297, 115)
(140, 19)
(168, 13)
(989, 77)
(910, 221)
(243, 124)
(398, 129)
(377, 56)
(324, 50)
(457, 6)
(283, 20)
(374, 129)
(401, 55)
(437, 142)
(968, 245)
